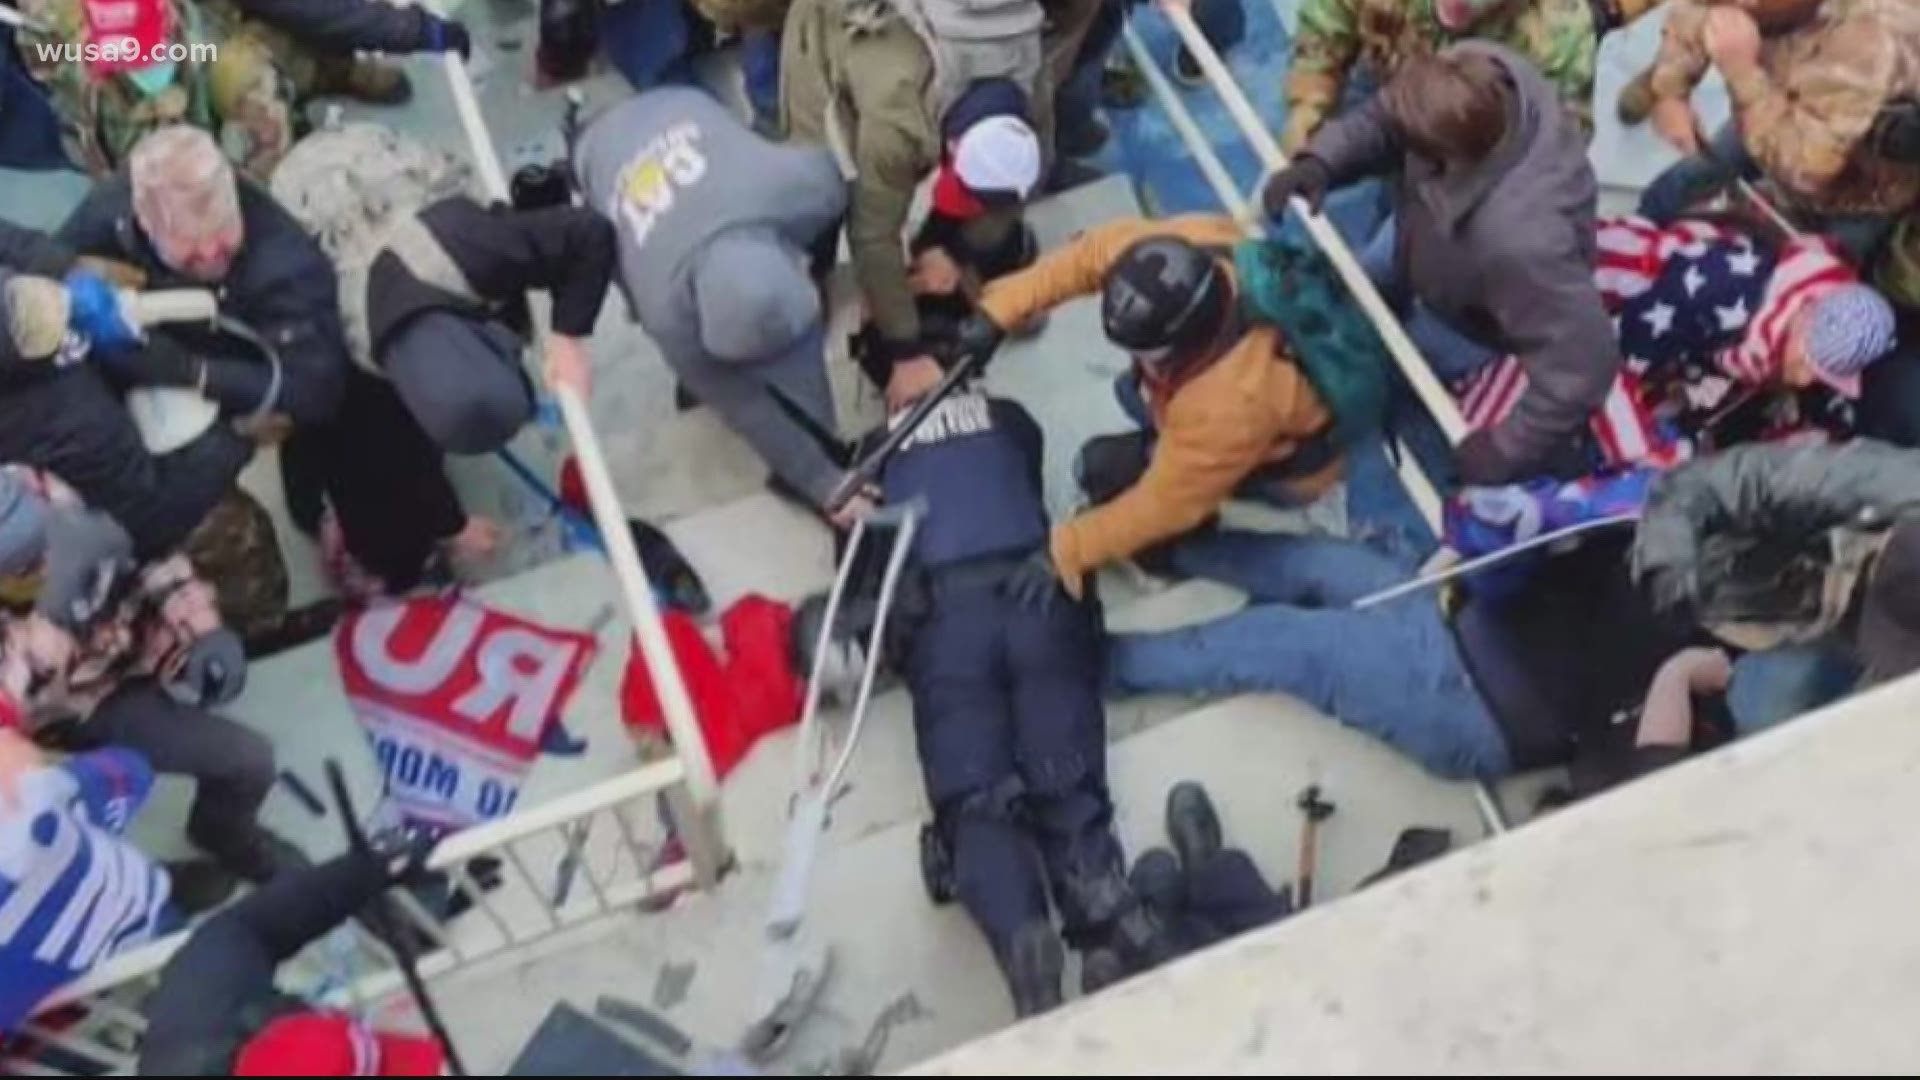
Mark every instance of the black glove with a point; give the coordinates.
(159, 362)
(444, 36)
(87, 554)
(1035, 584)
(978, 336)
(214, 673)
(1307, 177)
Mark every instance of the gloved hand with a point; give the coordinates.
(214, 673)
(87, 553)
(978, 336)
(1035, 584)
(98, 311)
(159, 361)
(444, 36)
(1307, 177)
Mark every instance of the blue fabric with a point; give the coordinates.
(1011, 734)
(760, 65)
(1224, 22)
(1078, 98)
(1701, 303)
(29, 128)
(650, 41)
(1699, 177)
(1392, 671)
(1775, 686)
(977, 480)
(74, 892)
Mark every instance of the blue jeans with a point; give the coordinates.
(649, 41)
(1775, 686)
(1392, 671)
(1078, 98)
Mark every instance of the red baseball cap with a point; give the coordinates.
(334, 1044)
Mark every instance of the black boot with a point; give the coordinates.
(1034, 964)
(1157, 880)
(1192, 824)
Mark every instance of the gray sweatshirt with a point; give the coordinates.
(675, 172)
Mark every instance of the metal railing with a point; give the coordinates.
(1247, 209)
(562, 865)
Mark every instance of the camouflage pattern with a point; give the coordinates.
(1335, 36)
(1805, 114)
(245, 97)
(237, 550)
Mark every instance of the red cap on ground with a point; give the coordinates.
(334, 1044)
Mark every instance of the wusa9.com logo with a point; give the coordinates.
(126, 51)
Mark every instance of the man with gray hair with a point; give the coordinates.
(183, 218)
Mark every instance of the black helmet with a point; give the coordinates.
(1165, 299)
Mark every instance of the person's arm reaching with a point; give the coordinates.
(31, 251)
(1558, 325)
(1325, 49)
(1804, 135)
(228, 964)
(1199, 459)
(1357, 145)
(1079, 267)
(747, 406)
(1677, 70)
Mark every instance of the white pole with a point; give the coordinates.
(608, 516)
(1435, 396)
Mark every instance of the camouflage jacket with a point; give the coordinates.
(161, 609)
(1806, 111)
(1559, 36)
(241, 97)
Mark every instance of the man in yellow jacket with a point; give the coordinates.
(1227, 411)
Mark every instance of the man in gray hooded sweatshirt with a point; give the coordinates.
(715, 225)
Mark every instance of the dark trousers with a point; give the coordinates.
(1226, 896)
(218, 989)
(1012, 739)
(232, 765)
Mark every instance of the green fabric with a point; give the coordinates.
(1286, 282)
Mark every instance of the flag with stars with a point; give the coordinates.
(1701, 304)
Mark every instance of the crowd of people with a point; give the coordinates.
(1733, 373)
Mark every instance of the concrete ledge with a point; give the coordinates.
(1751, 911)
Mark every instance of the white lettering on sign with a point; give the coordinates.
(373, 633)
(524, 668)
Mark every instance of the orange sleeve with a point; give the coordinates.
(1078, 267)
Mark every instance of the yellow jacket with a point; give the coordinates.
(1250, 407)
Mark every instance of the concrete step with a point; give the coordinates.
(890, 942)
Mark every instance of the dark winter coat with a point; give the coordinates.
(281, 285)
(1773, 538)
(1504, 252)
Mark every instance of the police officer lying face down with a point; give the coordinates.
(1003, 667)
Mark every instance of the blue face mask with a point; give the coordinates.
(155, 78)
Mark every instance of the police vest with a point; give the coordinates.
(977, 483)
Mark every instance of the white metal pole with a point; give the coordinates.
(1438, 402)
(642, 613)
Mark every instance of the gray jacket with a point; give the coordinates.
(1504, 253)
(675, 171)
(1771, 539)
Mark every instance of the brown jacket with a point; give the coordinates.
(1248, 408)
(1804, 114)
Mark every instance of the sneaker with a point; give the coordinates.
(1036, 961)
(1192, 824)
(1186, 70)
(1635, 103)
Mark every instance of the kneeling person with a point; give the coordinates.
(1004, 672)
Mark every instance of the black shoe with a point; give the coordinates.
(1068, 174)
(200, 885)
(1036, 961)
(1099, 969)
(1156, 879)
(684, 400)
(1192, 824)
